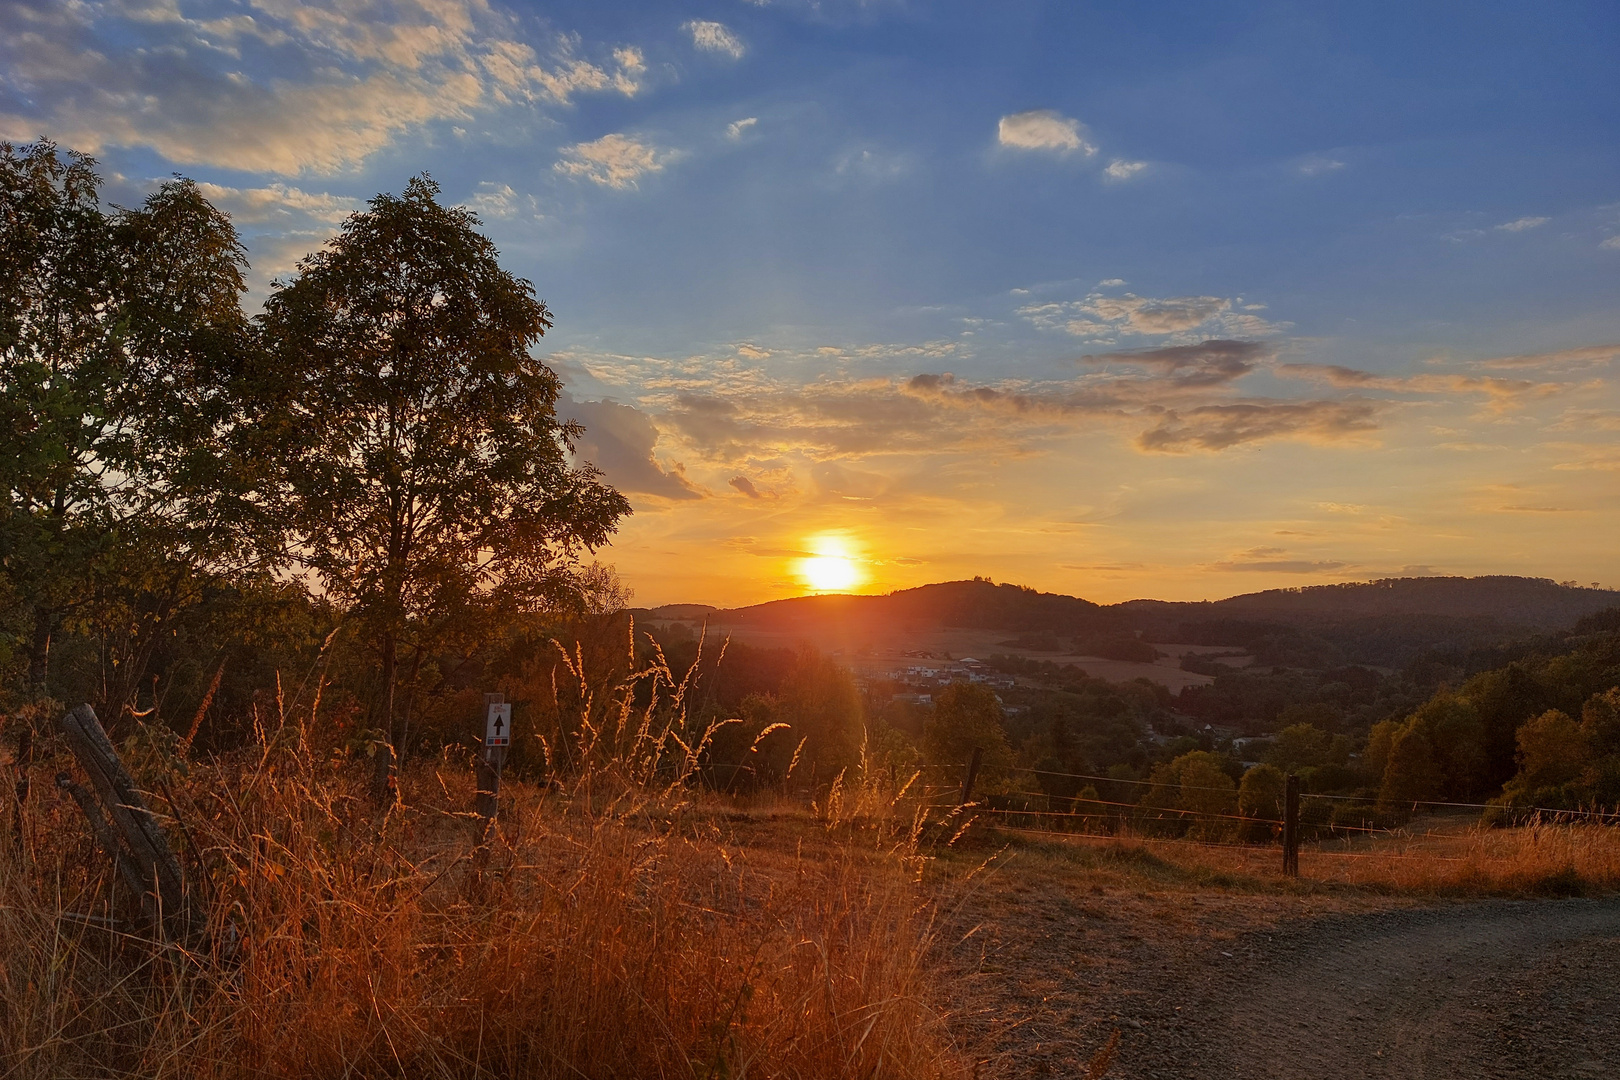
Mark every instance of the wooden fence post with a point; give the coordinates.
(972, 775)
(139, 845)
(1291, 826)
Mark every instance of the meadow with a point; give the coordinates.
(625, 921)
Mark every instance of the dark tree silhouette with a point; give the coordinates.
(120, 334)
(425, 472)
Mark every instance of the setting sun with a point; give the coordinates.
(830, 567)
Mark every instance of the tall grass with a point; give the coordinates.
(606, 928)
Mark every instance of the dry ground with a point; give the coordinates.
(1211, 964)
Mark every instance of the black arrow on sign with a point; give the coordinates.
(499, 719)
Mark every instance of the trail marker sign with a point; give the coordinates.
(498, 724)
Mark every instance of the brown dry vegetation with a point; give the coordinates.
(628, 925)
(606, 929)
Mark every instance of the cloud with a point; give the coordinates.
(278, 204)
(746, 486)
(1208, 363)
(1101, 317)
(614, 161)
(1611, 244)
(497, 201)
(714, 37)
(279, 87)
(619, 440)
(1317, 165)
(1043, 129)
(1582, 356)
(841, 482)
(1522, 224)
(738, 128)
(1221, 427)
(1280, 566)
(1120, 169)
(1502, 394)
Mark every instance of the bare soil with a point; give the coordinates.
(1268, 986)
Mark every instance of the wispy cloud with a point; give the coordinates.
(282, 87)
(278, 204)
(1101, 317)
(614, 161)
(1521, 224)
(1044, 129)
(714, 37)
(1319, 165)
(1120, 169)
(738, 128)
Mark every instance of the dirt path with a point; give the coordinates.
(1507, 989)
(1502, 989)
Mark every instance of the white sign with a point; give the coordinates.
(498, 726)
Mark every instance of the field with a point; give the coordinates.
(626, 925)
(882, 651)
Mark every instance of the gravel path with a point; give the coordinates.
(1470, 991)
(1515, 990)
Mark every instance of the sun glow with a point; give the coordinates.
(831, 567)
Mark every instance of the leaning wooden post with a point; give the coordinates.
(144, 856)
(1291, 826)
(497, 738)
(972, 775)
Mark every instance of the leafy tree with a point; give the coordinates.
(426, 472)
(967, 715)
(1552, 751)
(1412, 773)
(120, 338)
(1208, 792)
(820, 703)
(1260, 795)
(1299, 745)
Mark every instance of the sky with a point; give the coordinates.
(1173, 300)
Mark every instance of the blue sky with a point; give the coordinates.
(1117, 299)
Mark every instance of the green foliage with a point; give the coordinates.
(1566, 764)
(121, 340)
(966, 716)
(1299, 745)
(1260, 795)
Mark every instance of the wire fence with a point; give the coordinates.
(1162, 815)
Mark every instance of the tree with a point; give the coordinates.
(1260, 795)
(1207, 792)
(1299, 745)
(425, 471)
(120, 337)
(967, 716)
(1411, 774)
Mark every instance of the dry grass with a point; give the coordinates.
(1434, 857)
(608, 929)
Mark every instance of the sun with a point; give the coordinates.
(830, 567)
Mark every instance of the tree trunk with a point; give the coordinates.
(383, 790)
(39, 654)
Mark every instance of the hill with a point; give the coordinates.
(1382, 623)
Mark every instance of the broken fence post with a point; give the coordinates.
(140, 847)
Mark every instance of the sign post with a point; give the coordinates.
(497, 738)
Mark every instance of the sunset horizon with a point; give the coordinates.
(1177, 305)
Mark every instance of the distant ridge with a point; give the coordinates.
(1510, 602)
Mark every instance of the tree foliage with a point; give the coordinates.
(121, 336)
